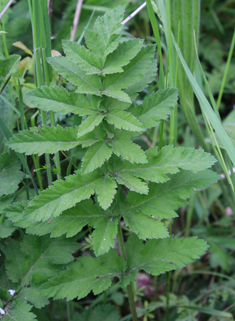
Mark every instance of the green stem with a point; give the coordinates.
(129, 287)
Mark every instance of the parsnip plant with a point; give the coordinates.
(117, 181)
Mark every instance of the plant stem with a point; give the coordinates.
(129, 287)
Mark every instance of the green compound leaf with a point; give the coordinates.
(105, 36)
(87, 84)
(148, 77)
(59, 99)
(124, 120)
(85, 275)
(156, 106)
(19, 310)
(96, 156)
(134, 184)
(45, 139)
(145, 227)
(168, 160)
(62, 195)
(83, 58)
(122, 56)
(133, 73)
(89, 124)
(163, 199)
(34, 296)
(159, 256)
(105, 312)
(37, 259)
(124, 147)
(70, 222)
(106, 189)
(10, 174)
(104, 234)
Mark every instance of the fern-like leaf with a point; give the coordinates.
(61, 196)
(59, 99)
(85, 275)
(45, 139)
(90, 84)
(105, 36)
(163, 199)
(168, 160)
(159, 256)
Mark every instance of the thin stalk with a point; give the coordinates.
(161, 83)
(189, 214)
(129, 287)
(5, 9)
(226, 71)
(36, 158)
(34, 10)
(76, 19)
(46, 43)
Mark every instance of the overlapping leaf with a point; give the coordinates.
(156, 106)
(82, 57)
(159, 256)
(106, 34)
(168, 160)
(163, 199)
(10, 174)
(132, 74)
(122, 56)
(61, 196)
(45, 139)
(37, 259)
(85, 275)
(71, 221)
(90, 84)
(19, 310)
(59, 99)
(155, 257)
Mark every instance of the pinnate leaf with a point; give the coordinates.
(45, 139)
(90, 84)
(157, 106)
(71, 221)
(122, 56)
(131, 182)
(128, 150)
(105, 36)
(106, 189)
(19, 310)
(145, 227)
(168, 160)
(163, 199)
(104, 234)
(61, 196)
(85, 275)
(96, 156)
(124, 120)
(59, 99)
(83, 58)
(34, 296)
(159, 256)
(89, 124)
(37, 259)
(133, 73)
(148, 77)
